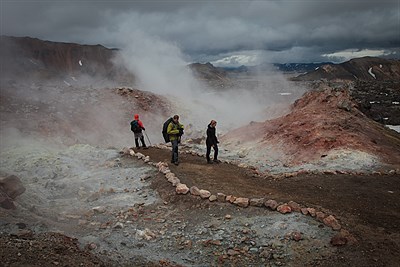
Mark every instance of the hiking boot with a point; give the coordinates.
(145, 147)
(209, 162)
(216, 161)
(176, 163)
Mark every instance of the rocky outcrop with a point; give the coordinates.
(10, 188)
(44, 59)
(324, 126)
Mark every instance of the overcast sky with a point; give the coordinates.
(229, 33)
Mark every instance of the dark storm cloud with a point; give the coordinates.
(207, 30)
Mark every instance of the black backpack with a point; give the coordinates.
(135, 126)
(164, 130)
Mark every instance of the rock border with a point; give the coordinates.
(342, 238)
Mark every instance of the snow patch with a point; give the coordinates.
(316, 68)
(395, 103)
(80, 62)
(371, 73)
(285, 93)
(67, 83)
(394, 127)
(73, 78)
(380, 66)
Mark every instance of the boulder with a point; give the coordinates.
(212, 198)
(12, 186)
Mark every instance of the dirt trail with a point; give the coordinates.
(367, 206)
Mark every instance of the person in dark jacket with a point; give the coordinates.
(212, 142)
(137, 127)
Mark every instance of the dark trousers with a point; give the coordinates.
(174, 151)
(141, 137)
(209, 151)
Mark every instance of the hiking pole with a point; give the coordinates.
(147, 137)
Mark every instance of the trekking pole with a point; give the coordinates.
(147, 137)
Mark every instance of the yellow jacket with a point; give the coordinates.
(173, 130)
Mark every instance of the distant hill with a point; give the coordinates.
(216, 77)
(365, 69)
(285, 67)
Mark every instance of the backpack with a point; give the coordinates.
(164, 130)
(135, 126)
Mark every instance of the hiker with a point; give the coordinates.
(175, 131)
(212, 142)
(136, 128)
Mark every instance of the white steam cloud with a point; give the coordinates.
(161, 67)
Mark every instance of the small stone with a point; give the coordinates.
(181, 189)
(311, 211)
(228, 216)
(294, 206)
(284, 208)
(204, 193)
(272, 204)
(320, 216)
(242, 202)
(232, 252)
(118, 225)
(221, 197)
(212, 198)
(332, 222)
(195, 191)
(296, 236)
(99, 209)
(257, 202)
(304, 211)
(230, 198)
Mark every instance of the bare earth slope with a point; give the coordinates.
(324, 131)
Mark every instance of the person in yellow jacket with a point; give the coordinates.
(175, 131)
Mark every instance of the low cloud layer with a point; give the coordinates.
(270, 31)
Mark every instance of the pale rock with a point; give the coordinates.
(242, 202)
(140, 155)
(311, 211)
(204, 193)
(284, 208)
(212, 198)
(131, 152)
(118, 225)
(320, 216)
(169, 175)
(174, 181)
(195, 191)
(257, 202)
(332, 222)
(145, 234)
(99, 209)
(230, 198)
(304, 211)
(294, 206)
(181, 189)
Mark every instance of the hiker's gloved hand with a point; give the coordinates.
(180, 131)
(144, 129)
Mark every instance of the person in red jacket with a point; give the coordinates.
(137, 127)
